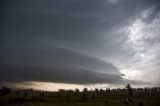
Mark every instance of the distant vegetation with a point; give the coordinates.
(99, 97)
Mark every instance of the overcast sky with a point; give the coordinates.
(80, 42)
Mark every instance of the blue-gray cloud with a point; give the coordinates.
(57, 65)
(69, 40)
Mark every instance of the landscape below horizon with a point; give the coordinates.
(127, 96)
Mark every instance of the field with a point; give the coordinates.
(115, 97)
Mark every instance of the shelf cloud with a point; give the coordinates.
(80, 41)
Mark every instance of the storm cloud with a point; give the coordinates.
(80, 41)
(57, 65)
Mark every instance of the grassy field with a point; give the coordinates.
(73, 98)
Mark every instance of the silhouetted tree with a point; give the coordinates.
(76, 90)
(5, 90)
(108, 90)
(85, 90)
(61, 90)
(101, 90)
(70, 90)
(129, 90)
(96, 89)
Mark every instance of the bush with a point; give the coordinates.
(5, 90)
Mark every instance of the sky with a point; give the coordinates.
(52, 44)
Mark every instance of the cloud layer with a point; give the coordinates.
(80, 41)
(58, 65)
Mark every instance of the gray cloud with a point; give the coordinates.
(73, 39)
(152, 13)
(57, 65)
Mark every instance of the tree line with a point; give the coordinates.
(5, 90)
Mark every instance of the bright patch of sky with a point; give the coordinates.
(144, 39)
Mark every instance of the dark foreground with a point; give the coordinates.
(116, 97)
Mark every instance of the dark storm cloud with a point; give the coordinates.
(47, 40)
(65, 20)
(57, 65)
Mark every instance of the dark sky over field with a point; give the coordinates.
(80, 41)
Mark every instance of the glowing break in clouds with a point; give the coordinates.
(144, 38)
(49, 86)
